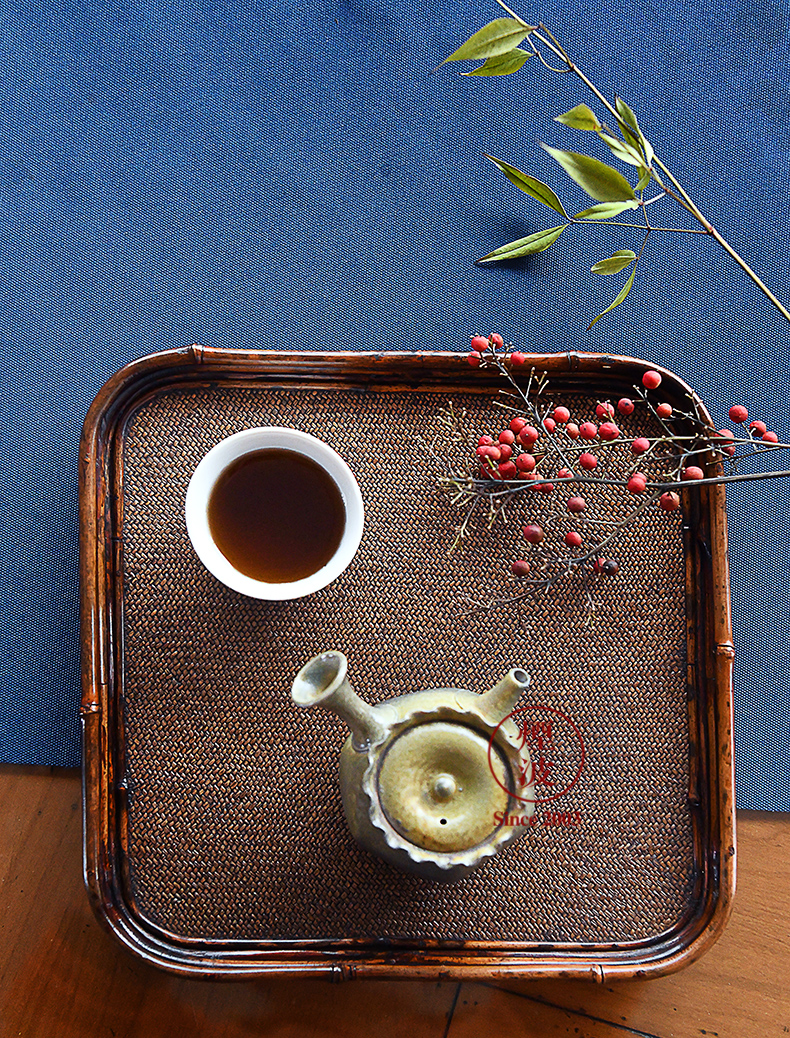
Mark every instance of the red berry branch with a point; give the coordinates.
(597, 480)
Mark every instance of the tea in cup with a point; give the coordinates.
(274, 513)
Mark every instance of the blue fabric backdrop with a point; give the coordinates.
(253, 175)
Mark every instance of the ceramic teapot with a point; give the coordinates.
(430, 781)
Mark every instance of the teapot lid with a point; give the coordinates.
(441, 785)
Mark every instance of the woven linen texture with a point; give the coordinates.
(266, 175)
(235, 827)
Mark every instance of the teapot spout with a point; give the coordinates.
(322, 682)
(500, 700)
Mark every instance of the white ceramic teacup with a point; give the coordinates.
(215, 463)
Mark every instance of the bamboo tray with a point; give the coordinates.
(215, 844)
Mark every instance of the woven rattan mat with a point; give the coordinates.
(235, 829)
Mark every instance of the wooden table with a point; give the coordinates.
(62, 976)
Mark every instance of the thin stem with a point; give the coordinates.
(646, 503)
(477, 489)
(739, 477)
(758, 450)
(539, 55)
(748, 270)
(639, 226)
(512, 13)
(644, 243)
(680, 194)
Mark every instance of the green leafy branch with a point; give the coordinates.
(504, 46)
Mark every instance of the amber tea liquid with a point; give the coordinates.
(276, 515)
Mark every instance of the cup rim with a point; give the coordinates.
(246, 441)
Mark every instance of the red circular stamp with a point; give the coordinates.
(556, 751)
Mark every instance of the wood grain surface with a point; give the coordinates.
(62, 976)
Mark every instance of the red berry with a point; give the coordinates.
(561, 414)
(505, 451)
(517, 359)
(496, 340)
(738, 413)
(576, 504)
(610, 568)
(724, 438)
(528, 475)
(520, 568)
(588, 430)
(651, 379)
(573, 539)
(485, 440)
(525, 462)
(640, 445)
(517, 425)
(474, 360)
(669, 501)
(493, 452)
(625, 406)
(692, 472)
(588, 462)
(757, 428)
(479, 344)
(572, 429)
(598, 565)
(770, 437)
(664, 410)
(605, 410)
(608, 431)
(528, 435)
(507, 436)
(636, 484)
(549, 424)
(564, 473)
(507, 470)
(545, 488)
(533, 533)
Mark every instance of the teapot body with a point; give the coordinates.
(433, 782)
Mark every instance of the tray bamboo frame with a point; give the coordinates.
(709, 676)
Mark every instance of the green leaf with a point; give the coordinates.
(530, 185)
(626, 114)
(525, 246)
(600, 181)
(580, 118)
(623, 151)
(645, 177)
(619, 261)
(498, 37)
(628, 121)
(502, 64)
(620, 297)
(605, 210)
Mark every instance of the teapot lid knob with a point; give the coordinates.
(443, 788)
